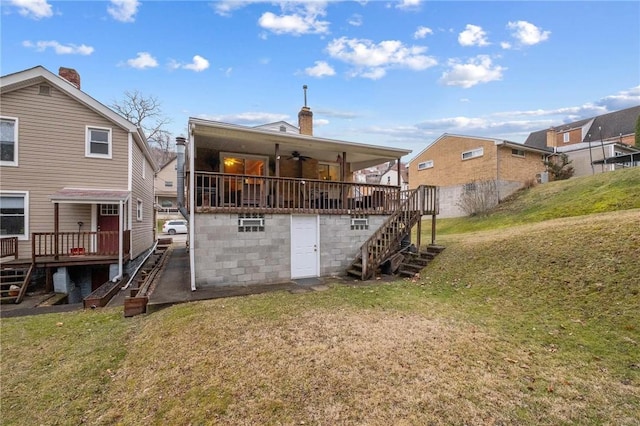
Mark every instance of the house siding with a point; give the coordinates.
(450, 172)
(51, 154)
(142, 232)
(518, 169)
(449, 168)
(167, 174)
(225, 256)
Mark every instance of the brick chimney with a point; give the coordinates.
(70, 75)
(552, 138)
(305, 117)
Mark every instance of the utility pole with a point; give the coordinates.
(604, 156)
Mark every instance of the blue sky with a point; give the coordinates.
(396, 73)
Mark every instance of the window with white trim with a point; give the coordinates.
(565, 137)
(359, 222)
(251, 222)
(478, 152)
(14, 214)
(8, 141)
(98, 143)
(425, 165)
(139, 210)
(144, 168)
(109, 209)
(518, 152)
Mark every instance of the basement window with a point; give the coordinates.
(251, 222)
(359, 222)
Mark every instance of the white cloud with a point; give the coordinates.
(517, 125)
(408, 4)
(371, 60)
(621, 100)
(297, 19)
(35, 9)
(320, 69)
(355, 20)
(198, 64)
(422, 32)
(124, 10)
(477, 70)
(505, 45)
(60, 49)
(142, 61)
(247, 118)
(527, 34)
(227, 7)
(473, 35)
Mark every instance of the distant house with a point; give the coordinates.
(274, 203)
(166, 192)
(391, 176)
(455, 162)
(279, 126)
(76, 194)
(587, 142)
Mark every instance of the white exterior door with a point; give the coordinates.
(304, 246)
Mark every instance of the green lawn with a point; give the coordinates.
(536, 323)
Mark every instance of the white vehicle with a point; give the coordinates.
(173, 227)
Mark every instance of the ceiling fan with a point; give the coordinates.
(295, 156)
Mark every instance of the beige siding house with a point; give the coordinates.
(77, 179)
(455, 162)
(166, 191)
(593, 145)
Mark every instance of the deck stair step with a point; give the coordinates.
(14, 282)
(414, 263)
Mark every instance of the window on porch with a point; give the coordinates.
(248, 191)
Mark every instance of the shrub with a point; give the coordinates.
(479, 197)
(559, 167)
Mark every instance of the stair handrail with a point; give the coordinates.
(407, 211)
(25, 284)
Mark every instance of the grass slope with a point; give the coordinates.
(579, 196)
(530, 324)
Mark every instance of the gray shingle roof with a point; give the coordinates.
(612, 125)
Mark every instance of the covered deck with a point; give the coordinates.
(220, 192)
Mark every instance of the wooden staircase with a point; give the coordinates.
(387, 240)
(14, 282)
(413, 263)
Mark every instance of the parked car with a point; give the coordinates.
(173, 227)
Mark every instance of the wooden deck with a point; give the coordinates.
(229, 193)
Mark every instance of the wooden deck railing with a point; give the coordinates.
(102, 243)
(9, 247)
(219, 192)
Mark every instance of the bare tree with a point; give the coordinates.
(146, 113)
(479, 197)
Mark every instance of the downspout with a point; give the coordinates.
(192, 180)
(120, 241)
(498, 172)
(180, 148)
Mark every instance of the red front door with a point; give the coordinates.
(108, 221)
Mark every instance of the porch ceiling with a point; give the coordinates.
(233, 138)
(89, 196)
